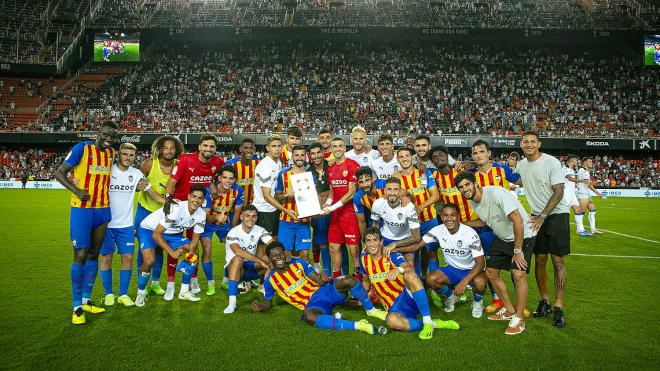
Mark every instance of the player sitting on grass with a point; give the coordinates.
(298, 284)
(461, 248)
(399, 287)
(166, 231)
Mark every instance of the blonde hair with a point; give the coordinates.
(130, 146)
(359, 129)
(272, 138)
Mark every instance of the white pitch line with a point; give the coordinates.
(627, 235)
(619, 256)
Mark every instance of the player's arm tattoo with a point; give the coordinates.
(410, 243)
(561, 274)
(557, 196)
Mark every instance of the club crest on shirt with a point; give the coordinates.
(344, 173)
(459, 244)
(251, 238)
(213, 168)
(400, 216)
(130, 178)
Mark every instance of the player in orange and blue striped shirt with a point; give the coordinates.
(489, 173)
(365, 196)
(400, 288)
(293, 137)
(299, 285)
(91, 163)
(244, 166)
(222, 214)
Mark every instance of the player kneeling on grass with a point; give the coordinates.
(245, 260)
(461, 248)
(298, 284)
(166, 231)
(399, 287)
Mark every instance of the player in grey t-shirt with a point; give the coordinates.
(512, 246)
(543, 180)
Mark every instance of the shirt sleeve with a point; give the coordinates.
(179, 169)
(506, 200)
(240, 197)
(268, 289)
(375, 212)
(353, 169)
(413, 219)
(174, 212)
(429, 238)
(430, 180)
(307, 268)
(201, 222)
(74, 156)
(280, 182)
(266, 237)
(509, 174)
(475, 245)
(357, 203)
(556, 176)
(264, 175)
(397, 258)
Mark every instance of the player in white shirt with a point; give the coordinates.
(461, 247)
(584, 189)
(166, 231)
(361, 153)
(244, 259)
(570, 181)
(400, 224)
(265, 180)
(385, 165)
(124, 182)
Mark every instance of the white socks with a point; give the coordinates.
(427, 319)
(185, 287)
(232, 305)
(579, 222)
(592, 219)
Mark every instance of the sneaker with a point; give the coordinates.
(477, 309)
(584, 233)
(447, 325)
(91, 307)
(526, 313)
(495, 306)
(261, 289)
(558, 318)
(543, 309)
(225, 283)
(378, 313)
(169, 293)
(501, 315)
(109, 300)
(449, 303)
(436, 299)
(156, 289)
(194, 286)
(188, 295)
(364, 326)
(210, 291)
(140, 300)
(427, 332)
(126, 301)
(596, 231)
(78, 317)
(516, 326)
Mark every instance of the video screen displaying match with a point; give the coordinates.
(112, 47)
(652, 50)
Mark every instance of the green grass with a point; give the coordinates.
(611, 307)
(131, 53)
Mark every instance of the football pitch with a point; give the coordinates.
(611, 309)
(131, 53)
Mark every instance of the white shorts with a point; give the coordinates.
(571, 199)
(582, 195)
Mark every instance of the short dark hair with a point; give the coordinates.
(247, 140)
(197, 188)
(362, 171)
(481, 142)
(373, 231)
(249, 208)
(406, 149)
(585, 159)
(423, 137)
(515, 155)
(435, 149)
(294, 131)
(298, 147)
(449, 205)
(393, 180)
(228, 168)
(325, 131)
(273, 245)
(315, 145)
(466, 175)
(384, 137)
(571, 156)
(110, 124)
(206, 137)
(338, 139)
(530, 132)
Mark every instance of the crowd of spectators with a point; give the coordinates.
(412, 89)
(35, 163)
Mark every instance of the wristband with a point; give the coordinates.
(336, 205)
(328, 202)
(401, 270)
(148, 187)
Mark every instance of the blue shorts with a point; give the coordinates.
(121, 238)
(405, 305)
(295, 236)
(83, 222)
(147, 240)
(326, 298)
(321, 226)
(455, 275)
(249, 272)
(486, 235)
(424, 228)
(140, 214)
(219, 230)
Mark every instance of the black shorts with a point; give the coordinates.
(501, 253)
(554, 236)
(269, 221)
